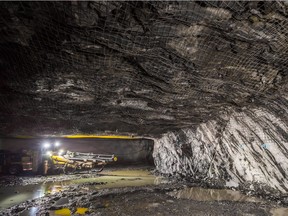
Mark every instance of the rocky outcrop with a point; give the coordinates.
(145, 68)
(149, 68)
(251, 146)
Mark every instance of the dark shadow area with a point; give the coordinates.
(26, 156)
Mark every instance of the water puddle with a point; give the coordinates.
(279, 211)
(203, 194)
(11, 196)
(113, 179)
(109, 179)
(29, 212)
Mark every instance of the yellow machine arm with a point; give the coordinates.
(76, 160)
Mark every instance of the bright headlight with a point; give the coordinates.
(60, 152)
(46, 145)
(57, 144)
(49, 153)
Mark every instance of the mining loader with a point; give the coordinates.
(76, 161)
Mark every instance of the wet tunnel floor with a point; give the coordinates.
(127, 191)
(10, 196)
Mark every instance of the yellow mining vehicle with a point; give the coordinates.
(69, 162)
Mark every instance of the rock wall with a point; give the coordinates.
(248, 146)
(142, 67)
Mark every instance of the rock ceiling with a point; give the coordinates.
(138, 67)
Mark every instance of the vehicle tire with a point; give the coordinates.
(14, 170)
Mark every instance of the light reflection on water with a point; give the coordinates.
(18, 194)
(204, 194)
(29, 212)
(13, 200)
(119, 178)
(279, 211)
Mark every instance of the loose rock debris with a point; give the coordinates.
(9, 181)
(150, 200)
(92, 198)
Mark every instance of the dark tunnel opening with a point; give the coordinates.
(128, 152)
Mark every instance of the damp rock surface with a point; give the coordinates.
(142, 68)
(251, 147)
(159, 204)
(148, 198)
(206, 80)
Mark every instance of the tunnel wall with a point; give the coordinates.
(249, 148)
(127, 151)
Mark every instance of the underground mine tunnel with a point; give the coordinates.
(144, 107)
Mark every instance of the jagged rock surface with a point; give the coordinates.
(137, 67)
(252, 146)
(148, 68)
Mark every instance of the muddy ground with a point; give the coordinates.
(124, 191)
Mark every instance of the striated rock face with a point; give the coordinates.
(145, 68)
(150, 68)
(252, 146)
